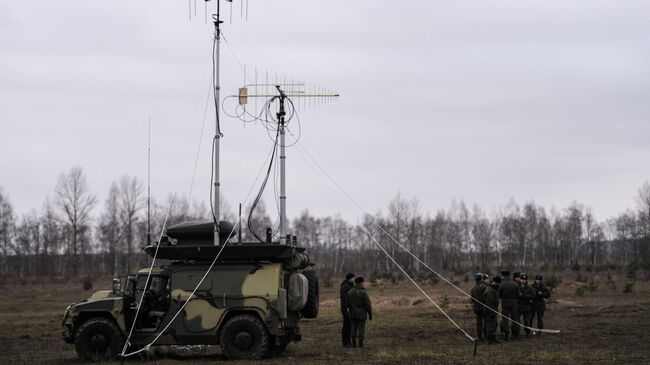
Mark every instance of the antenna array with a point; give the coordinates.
(192, 9)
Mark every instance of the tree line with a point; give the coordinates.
(70, 237)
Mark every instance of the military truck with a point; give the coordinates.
(251, 302)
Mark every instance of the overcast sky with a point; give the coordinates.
(480, 100)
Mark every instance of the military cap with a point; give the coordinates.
(359, 279)
(516, 274)
(539, 277)
(485, 276)
(523, 277)
(505, 273)
(349, 276)
(497, 279)
(478, 276)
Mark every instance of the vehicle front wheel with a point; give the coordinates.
(98, 339)
(244, 337)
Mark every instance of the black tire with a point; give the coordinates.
(98, 339)
(244, 337)
(310, 309)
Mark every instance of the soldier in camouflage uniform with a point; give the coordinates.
(491, 301)
(508, 293)
(542, 293)
(346, 285)
(478, 299)
(360, 309)
(524, 305)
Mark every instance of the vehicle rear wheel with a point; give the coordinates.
(244, 337)
(310, 310)
(98, 339)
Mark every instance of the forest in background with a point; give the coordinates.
(70, 237)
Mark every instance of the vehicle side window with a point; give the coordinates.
(188, 283)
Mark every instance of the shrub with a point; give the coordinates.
(444, 302)
(580, 291)
(580, 277)
(575, 266)
(373, 277)
(629, 288)
(327, 282)
(591, 286)
(88, 283)
(552, 281)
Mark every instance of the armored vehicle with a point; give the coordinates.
(250, 302)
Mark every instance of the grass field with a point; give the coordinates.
(600, 327)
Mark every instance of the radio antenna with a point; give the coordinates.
(283, 93)
(149, 188)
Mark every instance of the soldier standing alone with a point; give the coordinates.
(346, 285)
(526, 296)
(508, 293)
(491, 301)
(539, 302)
(359, 309)
(478, 300)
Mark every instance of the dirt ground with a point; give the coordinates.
(601, 327)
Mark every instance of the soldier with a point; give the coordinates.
(346, 285)
(491, 301)
(478, 298)
(539, 302)
(526, 296)
(359, 309)
(508, 293)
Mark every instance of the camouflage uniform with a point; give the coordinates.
(525, 300)
(478, 297)
(508, 293)
(345, 331)
(539, 303)
(359, 309)
(492, 301)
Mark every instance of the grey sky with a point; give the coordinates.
(480, 100)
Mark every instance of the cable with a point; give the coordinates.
(261, 191)
(146, 283)
(414, 256)
(374, 240)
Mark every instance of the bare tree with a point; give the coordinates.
(7, 222)
(130, 191)
(51, 238)
(75, 202)
(108, 230)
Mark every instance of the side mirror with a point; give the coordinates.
(117, 286)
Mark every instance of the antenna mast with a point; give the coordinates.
(217, 135)
(281, 114)
(149, 187)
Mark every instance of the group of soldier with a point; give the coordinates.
(520, 303)
(355, 309)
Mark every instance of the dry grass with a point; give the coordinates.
(602, 327)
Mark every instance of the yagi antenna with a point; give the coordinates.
(192, 6)
(283, 93)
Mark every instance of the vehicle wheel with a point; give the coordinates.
(98, 339)
(311, 308)
(244, 337)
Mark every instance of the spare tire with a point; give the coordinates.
(310, 310)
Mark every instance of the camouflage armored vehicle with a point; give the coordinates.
(251, 301)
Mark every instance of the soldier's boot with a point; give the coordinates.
(360, 342)
(354, 342)
(493, 340)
